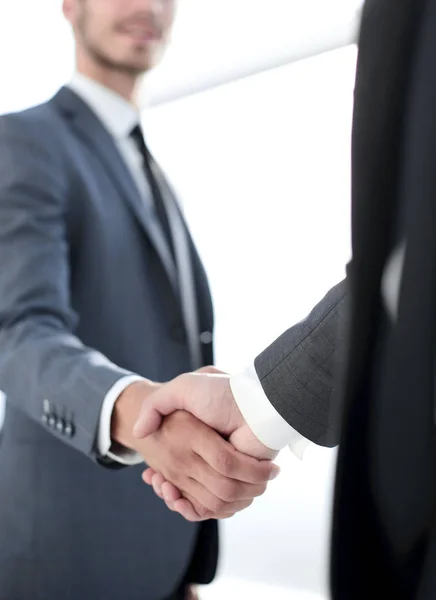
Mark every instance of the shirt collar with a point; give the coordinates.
(115, 112)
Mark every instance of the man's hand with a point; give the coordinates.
(213, 477)
(209, 398)
(206, 395)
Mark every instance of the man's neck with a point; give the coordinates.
(121, 83)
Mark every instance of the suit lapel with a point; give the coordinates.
(90, 129)
(185, 267)
(198, 277)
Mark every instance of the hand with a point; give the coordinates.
(209, 398)
(219, 411)
(215, 479)
(191, 593)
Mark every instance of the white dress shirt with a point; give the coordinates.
(119, 117)
(262, 418)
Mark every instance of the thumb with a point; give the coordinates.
(244, 440)
(211, 370)
(166, 400)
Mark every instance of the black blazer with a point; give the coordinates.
(384, 516)
(382, 413)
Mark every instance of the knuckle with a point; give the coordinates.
(174, 476)
(260, 490)
(247, 504)
(229, 491)
(175, 418)
(231, 512)
(180, 424)
(217, 505)
(181, 382)
(224, 462)
(202, 511)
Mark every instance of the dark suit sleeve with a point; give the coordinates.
(40, 358)
(298, 372)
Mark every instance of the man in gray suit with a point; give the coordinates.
(101, 288)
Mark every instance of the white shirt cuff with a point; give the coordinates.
(261, 416)
(104, 441)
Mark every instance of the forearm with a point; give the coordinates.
(42, 364)
(44, 369)
(299, 371)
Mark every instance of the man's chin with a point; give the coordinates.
(134, 68)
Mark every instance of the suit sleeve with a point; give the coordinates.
(45, 370)
(299, 372)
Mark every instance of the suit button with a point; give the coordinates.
(60, 425)
(47, 411)
(206, 337)
(178, 334)
(52, 421)
(69, 429)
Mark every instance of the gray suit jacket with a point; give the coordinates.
(84, 300)
(298, 372)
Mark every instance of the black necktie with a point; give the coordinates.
(161, 212)
(181, 251)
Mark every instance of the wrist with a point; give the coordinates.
(236, 418)
(126, 411)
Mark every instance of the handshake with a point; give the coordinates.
(203, 459)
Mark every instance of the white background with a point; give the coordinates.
(265, 180)
(263, 168)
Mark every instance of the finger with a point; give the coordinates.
(147, 476)
(166, 400)
(191, 509)
(207, 505)
(227, 461)
(203, 502)
(206, 396)
(218, 486)
(192, 594)
(170, 492)
(211, 369)
(200, 510)
(226, 488)
(157, 481)
(185, 508)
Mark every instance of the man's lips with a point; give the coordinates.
(141, 34)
